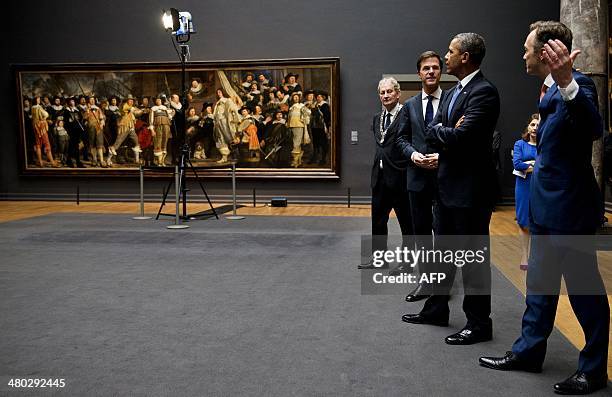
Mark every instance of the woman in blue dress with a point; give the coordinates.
(523, 159)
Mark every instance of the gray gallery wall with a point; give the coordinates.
(370, 38)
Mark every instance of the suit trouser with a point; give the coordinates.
(421, 210)
(459, 230)
(555, 254)
(385, 199)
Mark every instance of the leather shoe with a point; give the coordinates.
(401, 269)
(581, 383)
(509, 362)
(370, 266)
(417, 295)
(469, 336)
(420, 319)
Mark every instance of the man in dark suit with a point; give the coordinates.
(421, 171)
(462, 133)
(565, 209)
(388, 179)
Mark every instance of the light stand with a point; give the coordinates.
(181, 26)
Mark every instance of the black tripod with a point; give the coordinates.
(183, 165)
(184, 162)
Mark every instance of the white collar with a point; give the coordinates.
(549, 81)
(466, 80)
(436, 94)
(393, 111)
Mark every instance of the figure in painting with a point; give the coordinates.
(126, 129)
(41, 135)
(297, 121)
(159, 124)
(226, 119)
(94, 120)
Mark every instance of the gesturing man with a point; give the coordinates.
(462, 133)
(564, 201)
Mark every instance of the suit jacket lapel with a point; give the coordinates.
(544, 110)
(465, 92)
(377, 131)
(418, 108)
(394, 126)
(547, 97)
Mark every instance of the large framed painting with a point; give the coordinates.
(273, 118)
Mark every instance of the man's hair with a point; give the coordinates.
(428, 54)
(474, 44)
(551, 30)
(394, 83)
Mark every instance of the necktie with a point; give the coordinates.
(429, 110)
(453, 99)
(387, 121)
(543, 90)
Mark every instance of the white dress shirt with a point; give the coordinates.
(437, 94)
(568, 93)
(465, 81)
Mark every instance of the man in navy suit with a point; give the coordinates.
(421, 172)
(462, 133)
(388, 180)
(565, 208)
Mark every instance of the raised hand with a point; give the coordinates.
(559, 61)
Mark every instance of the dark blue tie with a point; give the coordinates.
(387, 121)
(429, 110)
(453, 99)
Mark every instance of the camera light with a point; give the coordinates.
(170, 20)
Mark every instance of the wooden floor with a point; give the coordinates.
(504, 241)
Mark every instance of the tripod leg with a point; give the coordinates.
(164, 198)
(203, 190)
(183, 190)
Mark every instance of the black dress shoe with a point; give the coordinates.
(509, 362)
(581, 383)
(417, 295)
(468, 336)
(370, 266)
(401, 269)
(420, 319)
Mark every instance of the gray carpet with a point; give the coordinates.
(262, 306)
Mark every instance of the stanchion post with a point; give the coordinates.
(234, 217)
(142, 215)
(177, 189)
(349, 197)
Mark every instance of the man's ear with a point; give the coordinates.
(465, 57)
(541, 54)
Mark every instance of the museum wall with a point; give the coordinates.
(370, 38)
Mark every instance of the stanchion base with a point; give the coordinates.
(141, 218)
(234, 217)
(177, 227)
